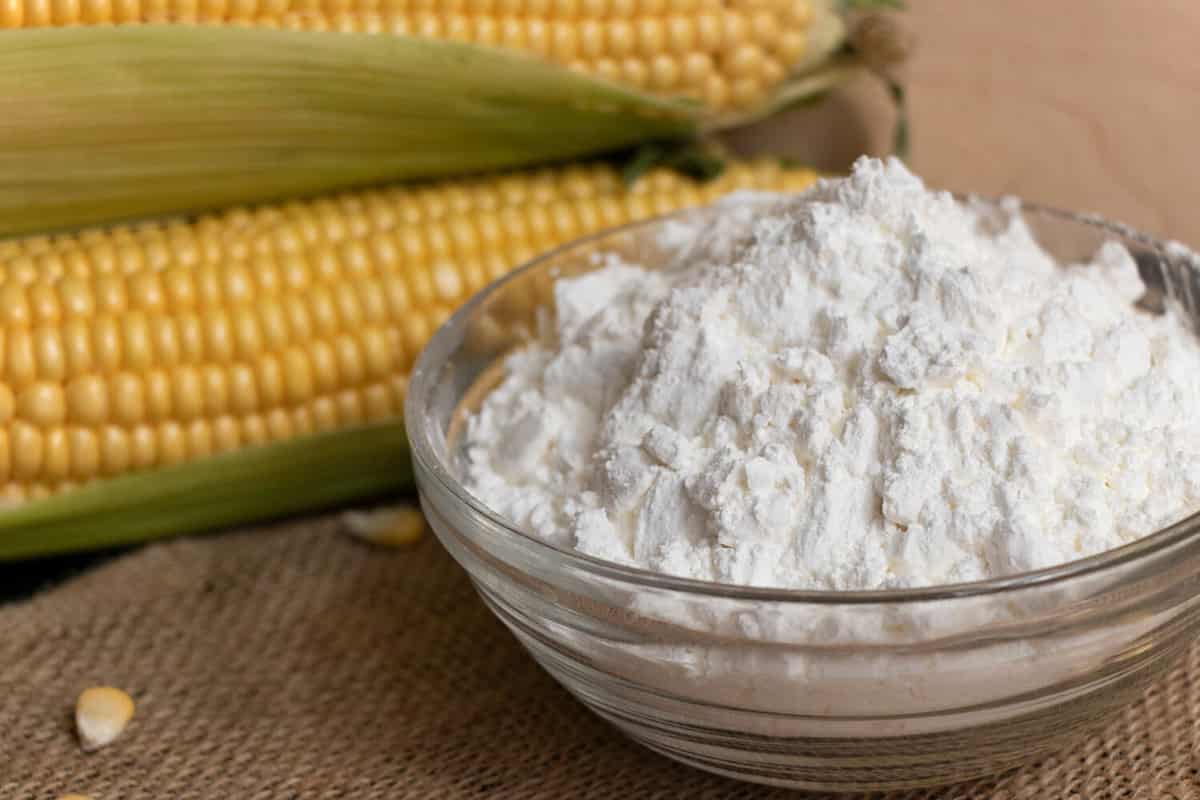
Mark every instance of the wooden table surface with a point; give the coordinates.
(1089, 105)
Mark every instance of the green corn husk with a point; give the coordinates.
(102, 123)
(241, 487)
(106, 123)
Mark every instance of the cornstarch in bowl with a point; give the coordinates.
(862, 387)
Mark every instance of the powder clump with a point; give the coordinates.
(865, 386)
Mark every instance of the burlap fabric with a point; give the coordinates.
(296, 663)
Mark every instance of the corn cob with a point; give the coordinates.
(135, 349)
(726, 53)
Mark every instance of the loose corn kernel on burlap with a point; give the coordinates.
(296, 663)
(101, 715)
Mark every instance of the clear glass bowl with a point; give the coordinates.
(842, 691)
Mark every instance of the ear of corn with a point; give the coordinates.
(103, 122)
(178, 376)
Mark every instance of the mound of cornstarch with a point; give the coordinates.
(864, 386)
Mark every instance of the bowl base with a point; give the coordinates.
(863, 764)
(675, 728)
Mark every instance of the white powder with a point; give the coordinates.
(855, 388)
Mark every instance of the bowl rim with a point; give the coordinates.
(427, 461)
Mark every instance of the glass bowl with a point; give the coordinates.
(846, 691)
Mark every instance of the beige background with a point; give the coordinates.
(1085, 104)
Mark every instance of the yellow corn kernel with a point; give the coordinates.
(28, 447)
(746, 90)
(716, 90)
(43, 404)
(14, 304)
(8, 403)
(664, 72)
(101, 715)
(199, 438)
(324, 414)
(708, 32)
(324, 367)
(144, 447)
(745, 61)
(226, 434)
(790, 46)
(84, 452)
(115, 451)
(106, 343)
(172, 443)
(254, 430)
(302, 421)
(57, 462)
(43, 300)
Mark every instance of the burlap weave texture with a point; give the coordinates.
(296, 663)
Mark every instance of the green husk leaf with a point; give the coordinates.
(900, 133)
(245, 486)
(698, 163)
(644, 159)
(105, 123)
(696, 160)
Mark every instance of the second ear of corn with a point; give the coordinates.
(137, 348)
